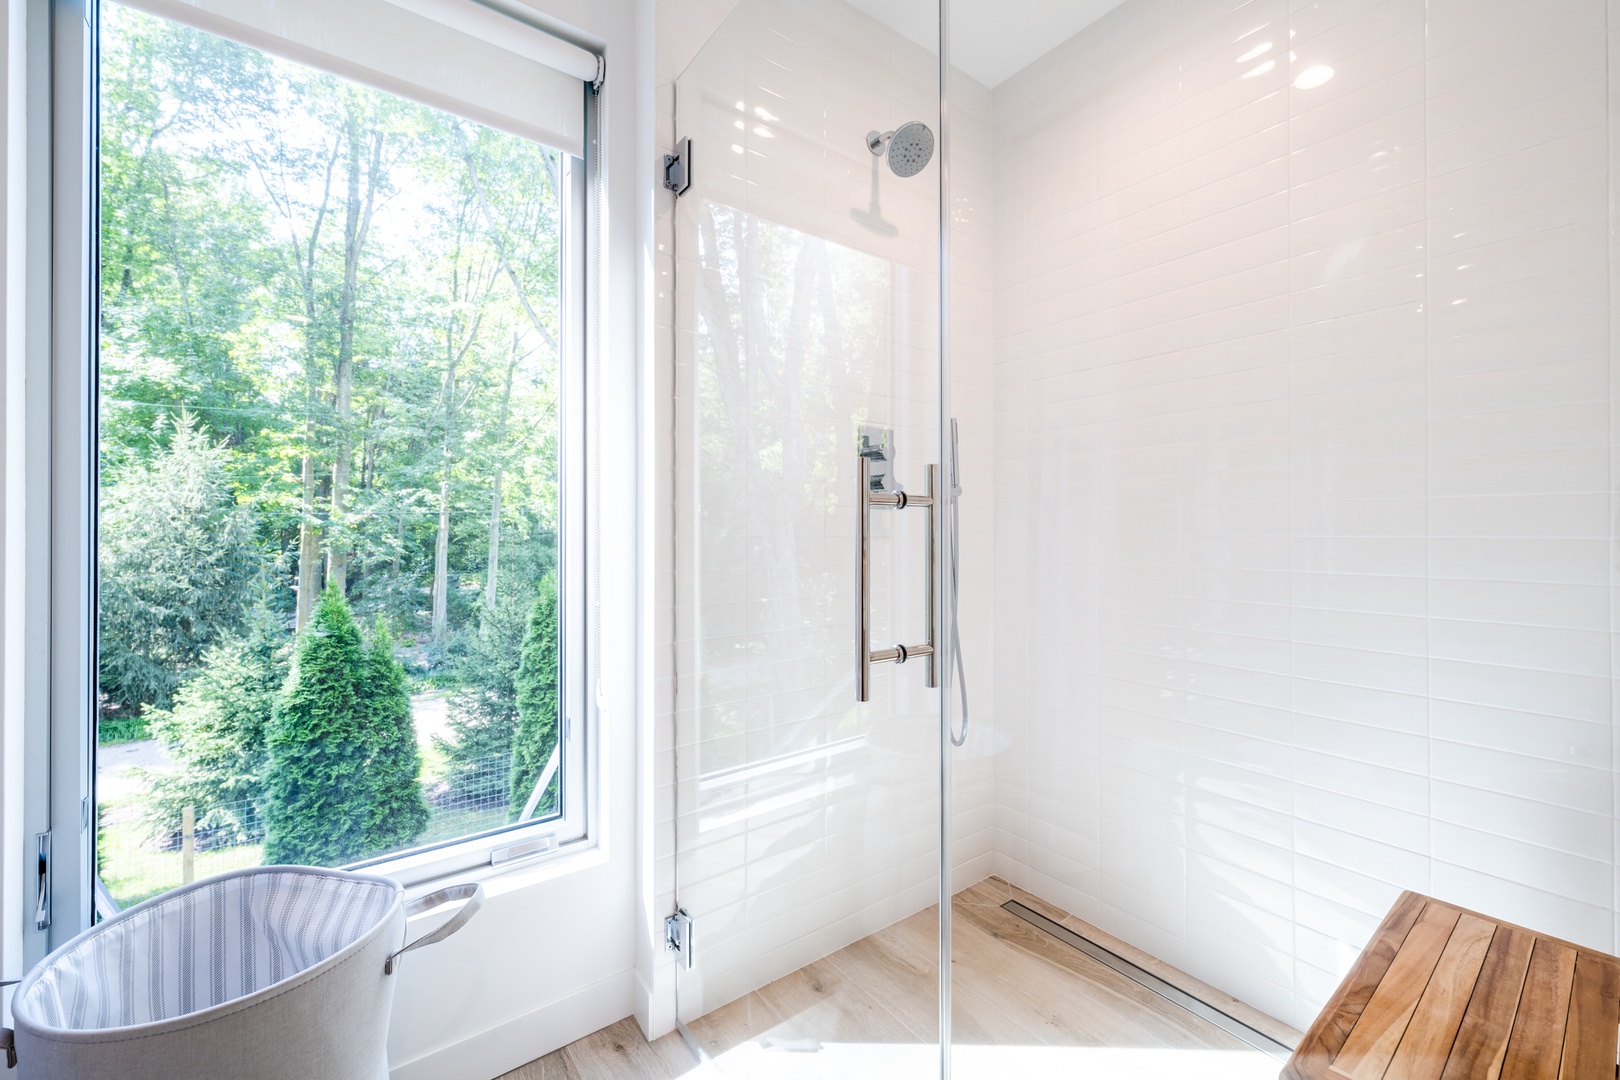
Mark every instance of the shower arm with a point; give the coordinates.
(865, 655)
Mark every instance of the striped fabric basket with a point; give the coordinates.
(274, 973)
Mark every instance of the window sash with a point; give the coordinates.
(70, 725)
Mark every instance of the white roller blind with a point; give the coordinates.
(455, 55)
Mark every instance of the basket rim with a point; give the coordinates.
(24, 1022)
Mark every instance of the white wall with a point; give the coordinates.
(1305, 456)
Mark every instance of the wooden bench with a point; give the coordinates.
(1442, 993)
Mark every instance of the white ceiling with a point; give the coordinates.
(991, 39)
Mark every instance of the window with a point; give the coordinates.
(340, 438)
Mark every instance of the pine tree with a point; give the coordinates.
(318, 794)
(216, 736)
(398, 814)
(482, 712)
(536, 701)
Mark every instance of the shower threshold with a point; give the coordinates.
(1175, 995)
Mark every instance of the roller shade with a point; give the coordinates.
(455, 55)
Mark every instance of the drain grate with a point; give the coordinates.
(1146, 979)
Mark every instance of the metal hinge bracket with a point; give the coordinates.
(678, 936)
(678, 168)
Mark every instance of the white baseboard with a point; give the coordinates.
(518, 1041)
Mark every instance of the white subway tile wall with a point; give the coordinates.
(1305, 437)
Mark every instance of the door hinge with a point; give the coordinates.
(42, 881)
(678, 168)
(678, 936)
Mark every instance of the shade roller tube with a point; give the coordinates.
(455, 55)
(504, 31)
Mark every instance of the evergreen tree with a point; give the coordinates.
(319, 797)
(398, 814)
(538, 713)
(483, 711)
(216, 735)
(177, 560)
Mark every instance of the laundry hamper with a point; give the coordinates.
(277, 973)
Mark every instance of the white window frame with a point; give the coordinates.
(63, 248)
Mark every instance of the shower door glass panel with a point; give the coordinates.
(807, 309)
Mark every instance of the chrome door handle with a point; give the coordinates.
(865, 655)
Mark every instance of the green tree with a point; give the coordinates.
(177, 557)
(319, 797)
(483, 710)
(216, 736)
(398, 814)
(536, 734)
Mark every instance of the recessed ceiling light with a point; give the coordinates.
(1312, 77)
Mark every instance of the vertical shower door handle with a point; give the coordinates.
(865, 655)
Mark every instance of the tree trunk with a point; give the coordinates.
(309, 536)
(356, 223)
(470, 287)
(492, 576)
(441, 542)
(309, 549)
(441, 561)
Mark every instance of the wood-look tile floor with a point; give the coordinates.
(1024, 1005)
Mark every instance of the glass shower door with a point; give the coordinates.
(807, 822)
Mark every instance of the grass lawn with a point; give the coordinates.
(134, 869)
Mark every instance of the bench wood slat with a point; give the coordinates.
(1327, 1034)
(1483, 1038)
(1594, 1013)
(1429, 1037)
(1372, 1042)
(1536, 1046)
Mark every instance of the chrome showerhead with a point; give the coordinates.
(911, 147)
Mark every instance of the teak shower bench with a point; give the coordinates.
(1443, 993)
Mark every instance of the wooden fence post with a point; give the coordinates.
(188, 845)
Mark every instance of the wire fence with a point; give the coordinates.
(146, 845)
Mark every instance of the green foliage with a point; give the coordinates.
(319, 796)
(216, 734)
(483, 713)
(177, 559)
(256, 329)
(538, 713)
(123, 729)
(398, 814)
